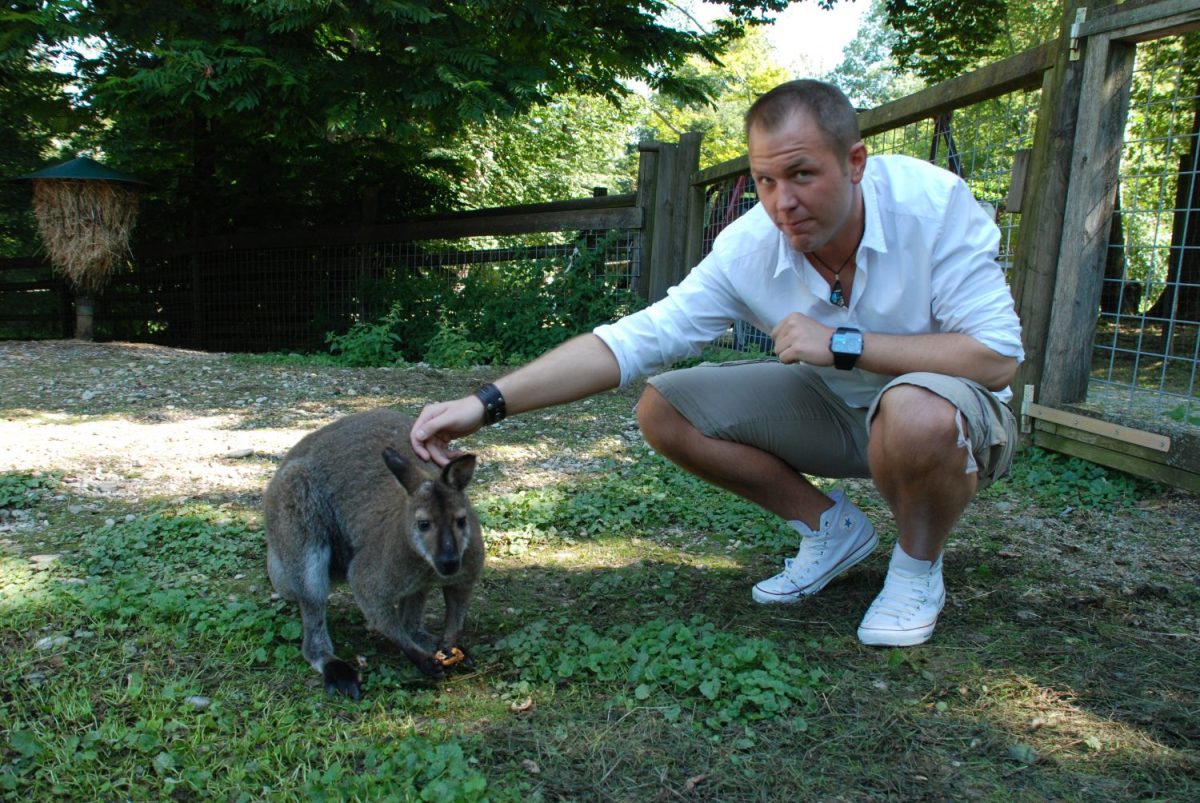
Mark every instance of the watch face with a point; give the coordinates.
(847, 342)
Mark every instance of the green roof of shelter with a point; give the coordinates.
(81, 169)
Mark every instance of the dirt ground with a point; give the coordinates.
(136, 421)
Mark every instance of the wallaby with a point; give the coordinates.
(352, 502)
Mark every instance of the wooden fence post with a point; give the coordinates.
(1095, 165)
(646, 182)
(669, 201)
(1035, 262)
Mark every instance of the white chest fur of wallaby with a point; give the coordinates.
(352, 502)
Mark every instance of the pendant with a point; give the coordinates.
(836, 296)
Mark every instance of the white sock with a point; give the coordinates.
(909, 566)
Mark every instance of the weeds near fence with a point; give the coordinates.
(504, 313)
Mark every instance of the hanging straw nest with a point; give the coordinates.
(85, 227)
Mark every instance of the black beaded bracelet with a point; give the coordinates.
(494, 408)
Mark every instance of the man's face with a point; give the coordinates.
(808, 191)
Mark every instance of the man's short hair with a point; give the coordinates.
(824, 103)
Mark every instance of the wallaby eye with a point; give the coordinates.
(424, 525)
(462, 522)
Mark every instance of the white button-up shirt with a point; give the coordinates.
(927, 263)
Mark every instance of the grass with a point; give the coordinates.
(618, 656)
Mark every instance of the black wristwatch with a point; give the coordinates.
(847, 346)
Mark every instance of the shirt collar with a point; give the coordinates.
(790, 259)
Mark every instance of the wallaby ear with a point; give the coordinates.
(409, 475)
(458, 472)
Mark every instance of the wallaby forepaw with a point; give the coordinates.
(453, 658)
(430, 666)
(341, 678)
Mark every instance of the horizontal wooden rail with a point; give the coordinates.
(1136, 22)
(604, 212)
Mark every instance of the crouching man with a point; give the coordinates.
(896, 340)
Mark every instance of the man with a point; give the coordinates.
(896, 338)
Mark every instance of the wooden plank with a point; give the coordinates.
(1150, 440)
(738, 166)
(1130, 464)
(1095, 164)
(646, 187)
(1172, 459)
(664, 221)
(1022, 71)
(20, 287)
(1016, 183)
(1134, 23)
(689, 215)
(23, 263)
(604, 212)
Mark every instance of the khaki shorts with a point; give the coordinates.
(788, 411)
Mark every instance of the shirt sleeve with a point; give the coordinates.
(694, 313)
(970, 294)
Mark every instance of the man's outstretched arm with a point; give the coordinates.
(581, 367)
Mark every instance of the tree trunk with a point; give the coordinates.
(1118, 295)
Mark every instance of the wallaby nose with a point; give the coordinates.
(448, 564)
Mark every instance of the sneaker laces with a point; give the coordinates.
(902, 596)
(812, 549)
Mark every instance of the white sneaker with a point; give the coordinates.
(906, 610)
(846, 537)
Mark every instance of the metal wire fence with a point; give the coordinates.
(278, 297)
(1145, 360)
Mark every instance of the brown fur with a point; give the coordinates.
(352, 502)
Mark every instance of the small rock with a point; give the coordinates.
(237, 454)
(198, 702)
(531, 766)
(50, 642)
(42, 561)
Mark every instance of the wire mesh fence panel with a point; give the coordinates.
(279, 298)
(981, 143)
(1145, 359)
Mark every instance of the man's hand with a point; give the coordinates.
(799, 338)
(440, 423)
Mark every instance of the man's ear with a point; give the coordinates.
(857, 161)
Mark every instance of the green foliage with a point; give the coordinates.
(489, 314)
(247, 114)
(689, 670)
(1055, 480)
(451, 347)
(868, 74)
(745, 72)
(23, 490)
(159, 686)
(1183, 414)
(367, 344)
(650, 495)
(941, 39)
(561, 148)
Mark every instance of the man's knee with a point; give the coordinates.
(911, 422)
(661, 424)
